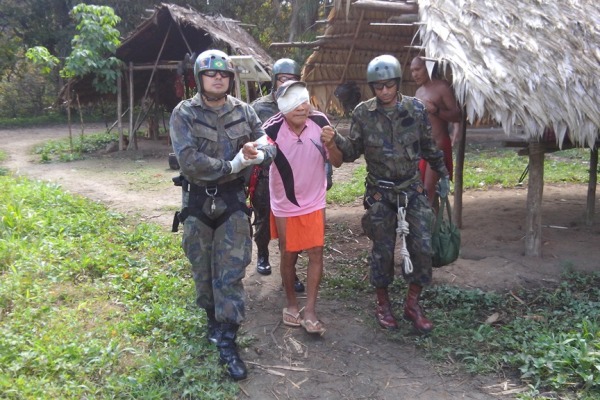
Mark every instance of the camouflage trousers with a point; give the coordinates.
(219, 258)
(379, 224)
(261, 204)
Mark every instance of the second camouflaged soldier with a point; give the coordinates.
(215, 138)
(393, 132)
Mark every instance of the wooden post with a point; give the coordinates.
(132, 142)
(119, 111)
(591, 194)
(535, 190)
(459, 170)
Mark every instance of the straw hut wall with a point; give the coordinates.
(356, 33)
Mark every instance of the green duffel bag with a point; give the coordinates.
(445, 239)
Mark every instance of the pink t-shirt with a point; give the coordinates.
(297, 180)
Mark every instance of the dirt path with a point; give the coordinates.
(355, 359)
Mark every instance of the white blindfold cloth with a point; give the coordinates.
(290, 95)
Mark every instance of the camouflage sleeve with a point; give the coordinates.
(429, 150)
(194, 164)
(351, 146)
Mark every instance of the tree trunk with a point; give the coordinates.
(304, 14)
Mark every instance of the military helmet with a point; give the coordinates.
(284, 66)
(213, 60)
(383, 68)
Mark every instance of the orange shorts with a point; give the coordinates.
(302, 232)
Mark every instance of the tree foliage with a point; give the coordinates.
(94, 46)
(75, 41)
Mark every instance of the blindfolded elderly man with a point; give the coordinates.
(298, 184)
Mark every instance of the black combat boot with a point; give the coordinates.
(213, 333)
(262, 263)
(228, 354)
(298, 285)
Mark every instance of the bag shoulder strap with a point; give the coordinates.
(444, 204)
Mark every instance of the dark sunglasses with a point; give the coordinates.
(388, 84)
(283, 78)
(212, 73)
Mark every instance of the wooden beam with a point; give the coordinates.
(591, 194)
(356, 32)
(387, 6)
(535, 190)
(335, 43)
(120, 110)
(406, 18)
(459, 169)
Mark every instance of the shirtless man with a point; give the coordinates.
(441, 105)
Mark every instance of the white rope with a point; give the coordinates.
(402, 231)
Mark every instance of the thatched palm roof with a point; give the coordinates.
(526, 64)
(163, 40)
(189, 31)
(534, 64)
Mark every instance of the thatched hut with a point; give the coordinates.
(158, 58)
(532, 66)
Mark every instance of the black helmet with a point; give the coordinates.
(284, 66)
(213, 60)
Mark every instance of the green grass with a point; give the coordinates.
(504, 167)
(92, 306)
(485, 168)
(3, 170)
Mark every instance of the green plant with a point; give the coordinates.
(60, 149)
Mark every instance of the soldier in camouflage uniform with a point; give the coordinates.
(393, 132)
(215, 138)
(284, 70)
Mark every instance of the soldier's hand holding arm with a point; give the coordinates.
(239, 162)
(253, 150)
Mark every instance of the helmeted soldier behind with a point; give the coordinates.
(284, 69)
(215, 138)
(393, 132)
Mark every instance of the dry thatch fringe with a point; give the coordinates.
(522, 62)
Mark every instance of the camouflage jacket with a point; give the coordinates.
(392, 143)
(204, 139)
(265, 107)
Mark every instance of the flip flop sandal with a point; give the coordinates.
(293, 320)
(313, 327)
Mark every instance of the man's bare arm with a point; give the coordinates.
(449, 109)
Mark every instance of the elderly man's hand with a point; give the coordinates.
(327, 136)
